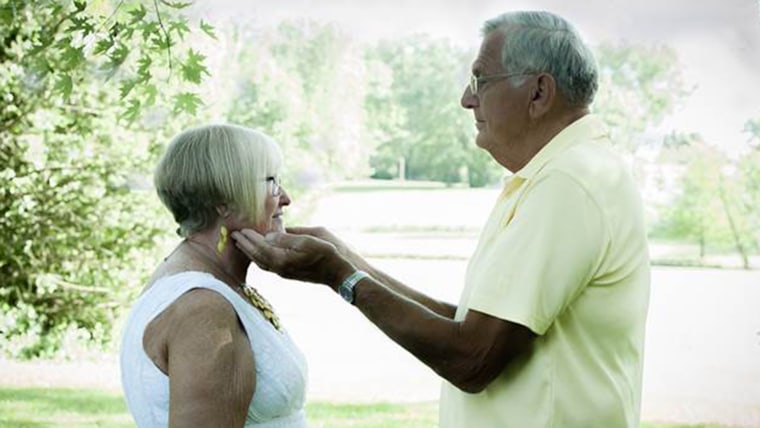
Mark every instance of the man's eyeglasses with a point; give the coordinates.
(477, 82)
(275, 187)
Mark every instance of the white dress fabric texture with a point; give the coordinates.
(281, 372)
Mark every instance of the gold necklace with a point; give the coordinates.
(257, 300)
(261, 304)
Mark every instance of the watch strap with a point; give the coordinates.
(346, 288)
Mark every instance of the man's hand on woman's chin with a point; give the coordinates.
(299, 257)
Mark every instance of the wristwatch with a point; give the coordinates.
(346, 288)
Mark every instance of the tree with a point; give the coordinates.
(711, 206)
(748, 190)
(413, 113)
(696, 213)
(84, 86)
(303, 83)
(639, 86)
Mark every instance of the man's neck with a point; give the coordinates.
(544, 132)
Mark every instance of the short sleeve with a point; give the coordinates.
(544, 257)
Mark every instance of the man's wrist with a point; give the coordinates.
(340, 271)
(346, 288)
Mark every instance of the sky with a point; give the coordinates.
(717, 41)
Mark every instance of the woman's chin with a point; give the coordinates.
(277, 225)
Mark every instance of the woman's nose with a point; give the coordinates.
(284, 198)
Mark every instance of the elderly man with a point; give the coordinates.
(549, 330)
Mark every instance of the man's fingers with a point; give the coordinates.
(258, 241)
(299, 243)
(301, 230)
(255, 247)
(248, 239)
(301, 257)
(249, 234)
(283, 240)
(317, 232)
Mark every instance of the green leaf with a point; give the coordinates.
(115, 29)
(118, 55)
(80, 5)
(103, 45)
(132, 112)
(72, 58)
(208, 29)
(187, 102)
(64, 85)
(161, 41)
(83, 24)
(143, 67)
(179, 27)
(138, 13)
(127, 32)
(150, 95)
(176, 5)
(193, 68)
(149, 28)
(126, 87)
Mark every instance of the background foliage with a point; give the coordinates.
(79, 82)
(92, 90)
(414, 116)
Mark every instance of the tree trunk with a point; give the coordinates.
(734, 232)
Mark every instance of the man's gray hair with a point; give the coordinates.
(542, 42)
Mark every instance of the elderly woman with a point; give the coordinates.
(201, 347)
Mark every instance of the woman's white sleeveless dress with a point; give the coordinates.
(281, 372)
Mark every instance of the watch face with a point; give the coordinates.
(346, 294)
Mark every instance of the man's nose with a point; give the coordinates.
(469, 100)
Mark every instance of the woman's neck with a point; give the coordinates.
(229, 262)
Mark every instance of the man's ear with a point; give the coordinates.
(543, 95)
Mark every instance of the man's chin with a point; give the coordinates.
(481, 141)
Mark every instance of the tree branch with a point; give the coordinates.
(166, 35)
(732, 224)
(115, 11)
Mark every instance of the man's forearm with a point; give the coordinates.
(443, 309)
(433, 338)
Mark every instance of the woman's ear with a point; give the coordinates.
(222, 210)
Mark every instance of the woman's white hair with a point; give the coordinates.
(214, 165)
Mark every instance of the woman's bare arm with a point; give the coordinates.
(211, 368)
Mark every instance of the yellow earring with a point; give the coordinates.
(223, 237)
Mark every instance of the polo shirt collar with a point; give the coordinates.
(585, 128)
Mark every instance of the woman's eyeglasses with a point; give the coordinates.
(275, 187)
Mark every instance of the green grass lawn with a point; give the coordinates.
(60, 407)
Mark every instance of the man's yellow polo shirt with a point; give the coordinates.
(563, 253)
